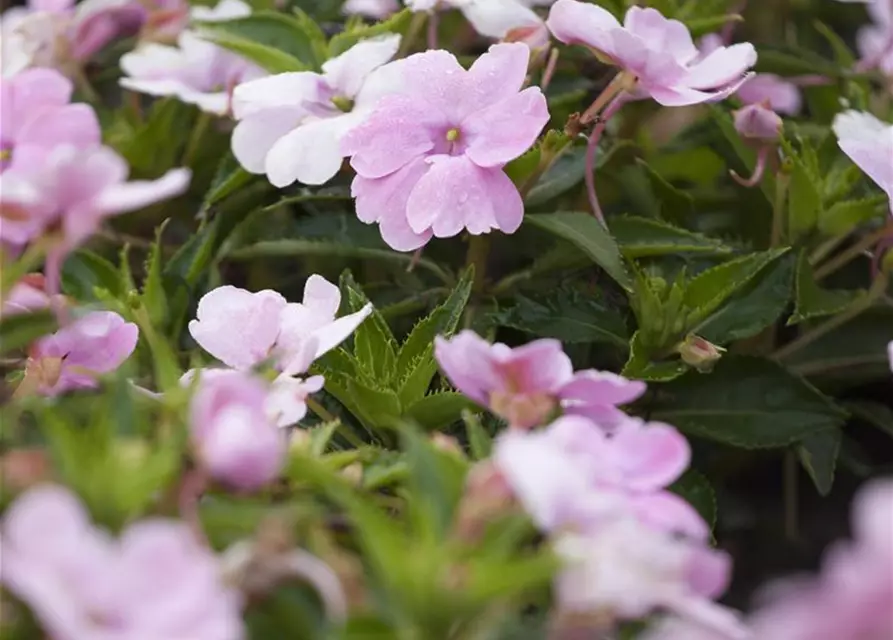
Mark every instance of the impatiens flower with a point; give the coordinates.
(232, 434)
(627, 570)
(37, 115)
(377, 9)
(60, 34)
(430, 161)
(72, 190)
(291, 124)
(573, 474)
(26, 296)
(782, 96)
(758, 123)
(851, 598)
(656, 54)
(875, 41)
(74, 356)
(497, 18)
(154, 581)
(526, 384)
(869, 143)
(196, 71)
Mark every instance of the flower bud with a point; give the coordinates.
(758, 123)
(232, 435)
(699, 353)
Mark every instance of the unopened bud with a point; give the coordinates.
(443, 442)
(699, 353)
(758, 123)
(353, 473)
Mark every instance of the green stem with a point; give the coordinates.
(478, 252)
(858, 306)
(822, 251)
(194, 144)
(327, 416)
(415, 28)
(781, 191)
(845, 257)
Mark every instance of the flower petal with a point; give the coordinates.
(575, 22)
(503, 131)
(130, 196)
(280, 90)
(255, 135)
(310, 153)
(347, 72)
(722, 66)
(662, 34)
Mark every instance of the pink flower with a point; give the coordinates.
(26, 296)
(37, 115)
(851, 598)
(377, 9)
(154, 581)
(783, 96)
(60, 34)
(628, 570)
(75, 189)
(658, 53)
(74, 356)
(429, 161)
(496, 18)
(291, 124)
(233, 436)
(875, 41)
(573, 474)
(197, 72)
(869, 143)
(758, 123)
(527, 384)
(242, 329)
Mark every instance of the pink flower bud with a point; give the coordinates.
(700, 353)
(758, 123)
(232, 434)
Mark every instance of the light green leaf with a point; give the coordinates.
(641, 237)
(587, 234)
(746, 402)
(19, 330)
(397, 23)
(812, 301)
(153, 293)
(844, 217)
(439, 410)
(640, 366)
(805, 201)
(84, 271)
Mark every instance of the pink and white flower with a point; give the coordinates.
(496, 18)
(782, 96)
(430, 160)
(291, 124)
(377, 9)
(154, 581)
(657, 54)
(73, 190)
(875, 41)
(74, 357)
(196, 71)
(525, 385)
(37, 115)
(869, 143)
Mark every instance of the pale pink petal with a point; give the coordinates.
(499, 74)
(256, 134)
(399, 236)
(309, 153)
(783, 96)
(540, 366)
(347, 72)
(661, 34)
(651, 455)
(130, 196)
(383, 199)
(386, 80)
(495, 18)
(331, 335)
(709, 572)
(437, 77)
(602, 387)
(668, 512)
(450, 197)
(508, 207)
(873, 516)
(280, 90)
(680, 96)
(575, 22)
(38, 88)
(74, 124)
(503, 131)
(322, 296)
(869, 143)
(722, 67)
(400, 130)
(467, 360)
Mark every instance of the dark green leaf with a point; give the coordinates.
(397, 23)
(818, 455)
(439, 410)
(230, 177)
(812, 301)
(674, 204)
(805, 201)
(754, 307)
(640, 365)
(586, 233)
(746, 402)
(641, 237)
(874, 413)
(698, 492)
(84, 271)
(19, 330)
(565, 173)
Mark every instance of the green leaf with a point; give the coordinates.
(746, 402)
(754, 307)
(374, 344)
(397, 23)
(876, 414)
(696, 489)
(565, 173)
(479, 441)
(843, 217)
(799, 62)
(522, 168)
(229, 178)
(702, 26)
(568, 316)
(587, 234)
(153, 293)
(640, 365)
(439, 410)
(19, 330)
(812, 301)
(707, 291)
(818, 455)
(674, 204)
(842, 53)
(85, 271)
(441, 321)
(644, 237)
(274, 41)
(379, 406)
(805, 201)
(149, 147)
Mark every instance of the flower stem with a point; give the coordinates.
(591, 148)
(848, 255)
(857, 307)
(614, 88)
(549, 71)
(758, 170)
(323, 413)
(433, 24)
(782, 180)
(195, 140)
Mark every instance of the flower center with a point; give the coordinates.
(343, 104)
(5, 155)
(453, 134)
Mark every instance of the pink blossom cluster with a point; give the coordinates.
(595, 480)
(154, 581)
(236, 417)
(58, 180)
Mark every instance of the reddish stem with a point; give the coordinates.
(758, 170)
(591, 147)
